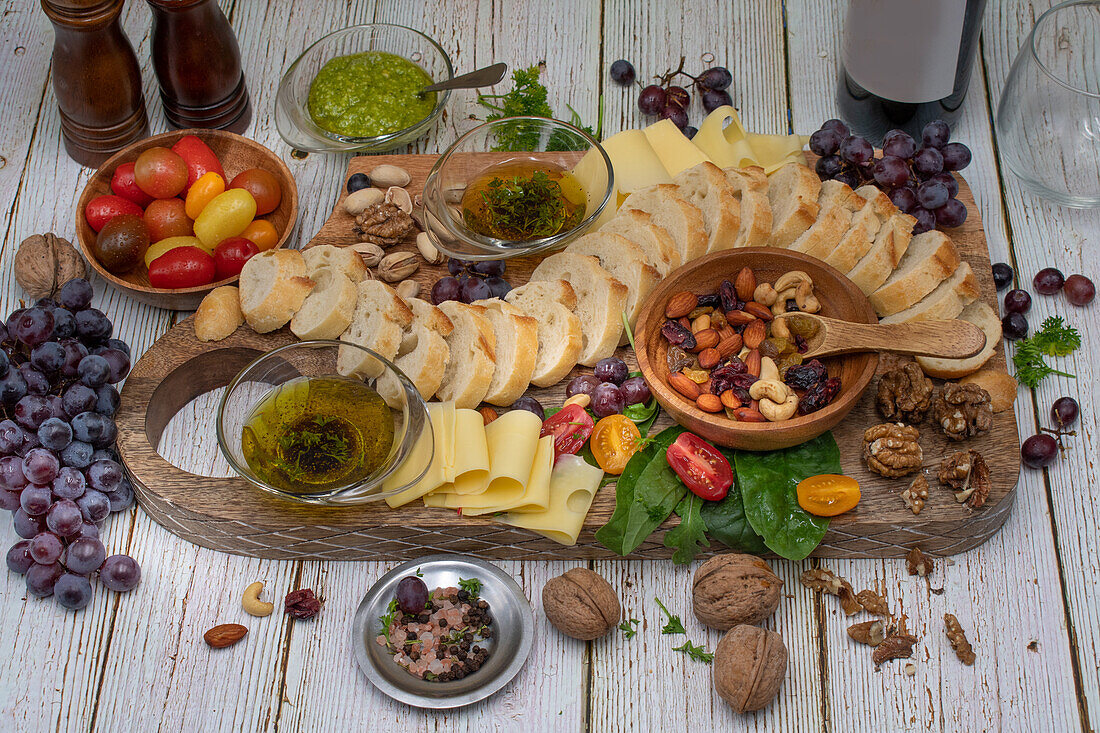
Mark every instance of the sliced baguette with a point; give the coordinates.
(472, 360)
(601, 300)
(865, 227)
(551, 303)
(423, 354)
(706, 186)
(344, 259)
(750, 185)
(889, 247)
(219, 314)
(838, 205)
(792, 194)
(680, 218)
(947, 301)
(517, 347)
(930, 259)
(655, 241)
(273, 285)
(378, 324)
(982, 316)
(327, 311)
(626, 262)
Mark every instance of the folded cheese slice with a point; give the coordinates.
(437, 442)
(672, 147)
(471, 453)
(537, 497)
(573, 485)
(725, 141)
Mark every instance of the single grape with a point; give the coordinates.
(104, 475)
(531, 405)
(652, 100)
(932, 194)
(5, 363)
(72, 591)
(411, 594)
(607, 399)
(582, 384)
(622, 72)
(46, 548)
(94, 370)
(488, 268)
(105, 454)
(956, 156)
(78, 398)
(1002, 275)
(69, 484)
(951, 215)
(33, 326)
(718, 77)
(120, 573)
(1039, 450)
(904, 198)
(35, 500)
(836, 126)
(456, 266)
(46, 303)
(690, 131)
(89, 530)
(1014, 326)
(64, 323)
(64, 518)
(30, 440)
(856, 150)
(9, 500)
(474, 289)
(122, 497)
(635, 391)
(1079, 290)
(1064, 412)
(84, 555)
(935, 134)
(612, 369)
(678, 96)
(715, 98)
(118, 363)
(91, 427)
(357, 182)
(675, 113)
(445, 288)
(40, 466)
(1017, 301)
(48, 357)
(37, 382)
(1048, 281)
(948, 180)
(926, 220)
(890, 171)
(828, 167)
(927, 162)
(107, 400)
(11, 473)
(92, 326)
(41, 578)
(74, 353)
(900, 144)
(77, 455)
(25, 525)
(19, 557)
(120, 345)
(12, 387)
(498, 286)
(94, 506)
(55, 434)
(75, 295)
(825, 142)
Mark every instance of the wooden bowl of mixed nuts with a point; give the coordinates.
(719, 344)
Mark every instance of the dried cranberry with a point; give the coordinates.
(728, 296)
(677, 335)
(805, 376)
(729, 368)
(800, 344)
(718, 385)
(820, 395)
(302, 604)
(742, 394)
(710, 300)
(743, 381)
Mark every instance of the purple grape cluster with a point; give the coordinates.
(59, 474)
(916, 177)
(610, 387)
(471, 280)
(670, 101)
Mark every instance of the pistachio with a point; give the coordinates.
(386, 176)
(371, 253)
(408, 289)
(397, 266)
(356, 203)
(427, 250)
(400, 198)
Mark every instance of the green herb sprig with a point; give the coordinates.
(471, 586)
(629, 628)
(698, 653)
(528, 98)
(1054, 338)
(674, 625)
(528, 207)
(387, 618)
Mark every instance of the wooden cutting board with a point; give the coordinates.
(229, 514)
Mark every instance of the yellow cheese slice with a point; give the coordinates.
(573, 485)
(437, 442)
(591, 172)
(471, 453)
(634, 161)
(537, 496)
(722, 138)
(773, 151)
(674, 150)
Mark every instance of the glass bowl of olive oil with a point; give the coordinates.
(325, 422)
(516, 186)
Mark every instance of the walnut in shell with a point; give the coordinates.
(892, 450)
(904, 394)
(384, 224)
(749, 666)
(45, 262)
(581, 604)
(963, 411)
(967, 474)
(733, 589)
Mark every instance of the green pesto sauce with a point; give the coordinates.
(367, 94)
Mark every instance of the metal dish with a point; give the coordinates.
(514, 630)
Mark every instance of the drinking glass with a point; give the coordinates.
(1048, 119)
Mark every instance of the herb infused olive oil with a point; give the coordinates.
(316, 434)
(520, 200)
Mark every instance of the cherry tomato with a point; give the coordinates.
(202, 192)
(614, 440)
(828, 495)
(262, 233)
(124, 185)
(263, 186)
(102, 209)
(225, 216)
(570, 427)
(230, 256)
(160, 173)
(168, 218)
(121, 244)
(182, 267)
(159, 248)
(198, 156)
(704, 470)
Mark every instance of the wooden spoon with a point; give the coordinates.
(943, 339)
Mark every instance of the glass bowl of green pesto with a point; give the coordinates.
(358, 90)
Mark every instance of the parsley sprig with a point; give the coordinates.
(387, 618)
(674, 625)
(1054, 338)
(629, 628)
(698, 653)
(528, 98)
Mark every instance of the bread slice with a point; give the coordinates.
(551, 303)
(601, 301)
(947, 301)
(517, 347)
(750, 185)
(985, 318)
(889, 247)
(838, 205)
(423, 354)
(328, 309)
(472, 360)
(792, 194)
(344, 259)
(219, 314)
(378, 324)
(680, 218)
(706, 186)
(626, 262)
(930, 259)
(655, 241)
(866, 224)
(273, 285)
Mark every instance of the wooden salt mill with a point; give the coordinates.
(96, 79)
(198, 65)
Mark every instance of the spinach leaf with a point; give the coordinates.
(690, 536)
(768, 482)
(726, 520)
(643, 414)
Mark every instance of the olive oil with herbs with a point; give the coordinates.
(317, 433)
(519, 200)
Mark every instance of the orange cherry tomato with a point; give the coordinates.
(262, 233)
(168, 218)
(264, 187)
(614, 440)
(828, 495)
(203, 192)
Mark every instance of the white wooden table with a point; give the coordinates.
(1028, 598)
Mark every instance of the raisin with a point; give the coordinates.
(805, 376)
(800, 344)
(677, 335)
(710, 300)
(728, 296)
(743, 381)
(742, 395)
(718, 385)
(728, 368)
(820, 395)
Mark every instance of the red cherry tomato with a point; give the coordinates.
(160, 173)
(199, 158)
(168, 218)
(704, 470)
(182, 267)
(570, 427)
(230, 256)
(124, 185)
(263, 186)
(102, 209)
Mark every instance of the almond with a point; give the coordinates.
(709, 358)
(747, 414)
(729, 345)
(760, 311)
(729, 399)
(754, 334)
(488, 414)
(683, 321)
(739, 318)
(224, 635)
(752, 362)
(684, 386)
(708, 403)
(725, 331)
(745, 283)
(705, 340)
(702, 323)
(681, 304)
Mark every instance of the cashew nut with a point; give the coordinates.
(792, 279)
(768, 369)
(777, 400)
(780, 330)
(777, 412)
(805, 299)
(578, 399)
(769, 389)
(764, 294)
(251, 602)
(780, 305)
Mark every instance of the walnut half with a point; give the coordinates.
(963, 411)
(384, 224)
(967, 474)
(892, 450)
(957, 637)
(823, 580)
(904, 394)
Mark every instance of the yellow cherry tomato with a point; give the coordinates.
(828, 494)
(202, 192)
(614, 440)
(261, 233)
(225, 216)
(158, 248)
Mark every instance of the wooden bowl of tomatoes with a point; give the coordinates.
(171, 217)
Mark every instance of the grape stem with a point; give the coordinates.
(667, 77)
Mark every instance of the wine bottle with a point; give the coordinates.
(906, 63)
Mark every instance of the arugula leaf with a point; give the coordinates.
(726, 521)
(628, 628)
(674, 625)
(698, 653)
(471, 586)
(690, 536)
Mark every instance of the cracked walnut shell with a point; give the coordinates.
(904, 394)
(963, 411)
(892, 450)
(967, 474)
(581, 604)
(384, 224)
(749, 666)
(733, 589)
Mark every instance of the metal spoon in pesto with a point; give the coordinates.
(481, 78)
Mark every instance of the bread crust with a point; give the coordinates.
(219, 314)
(273, 285)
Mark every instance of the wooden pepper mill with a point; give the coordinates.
(96, 79)
(198, 65)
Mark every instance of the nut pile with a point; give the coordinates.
(739, 351)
